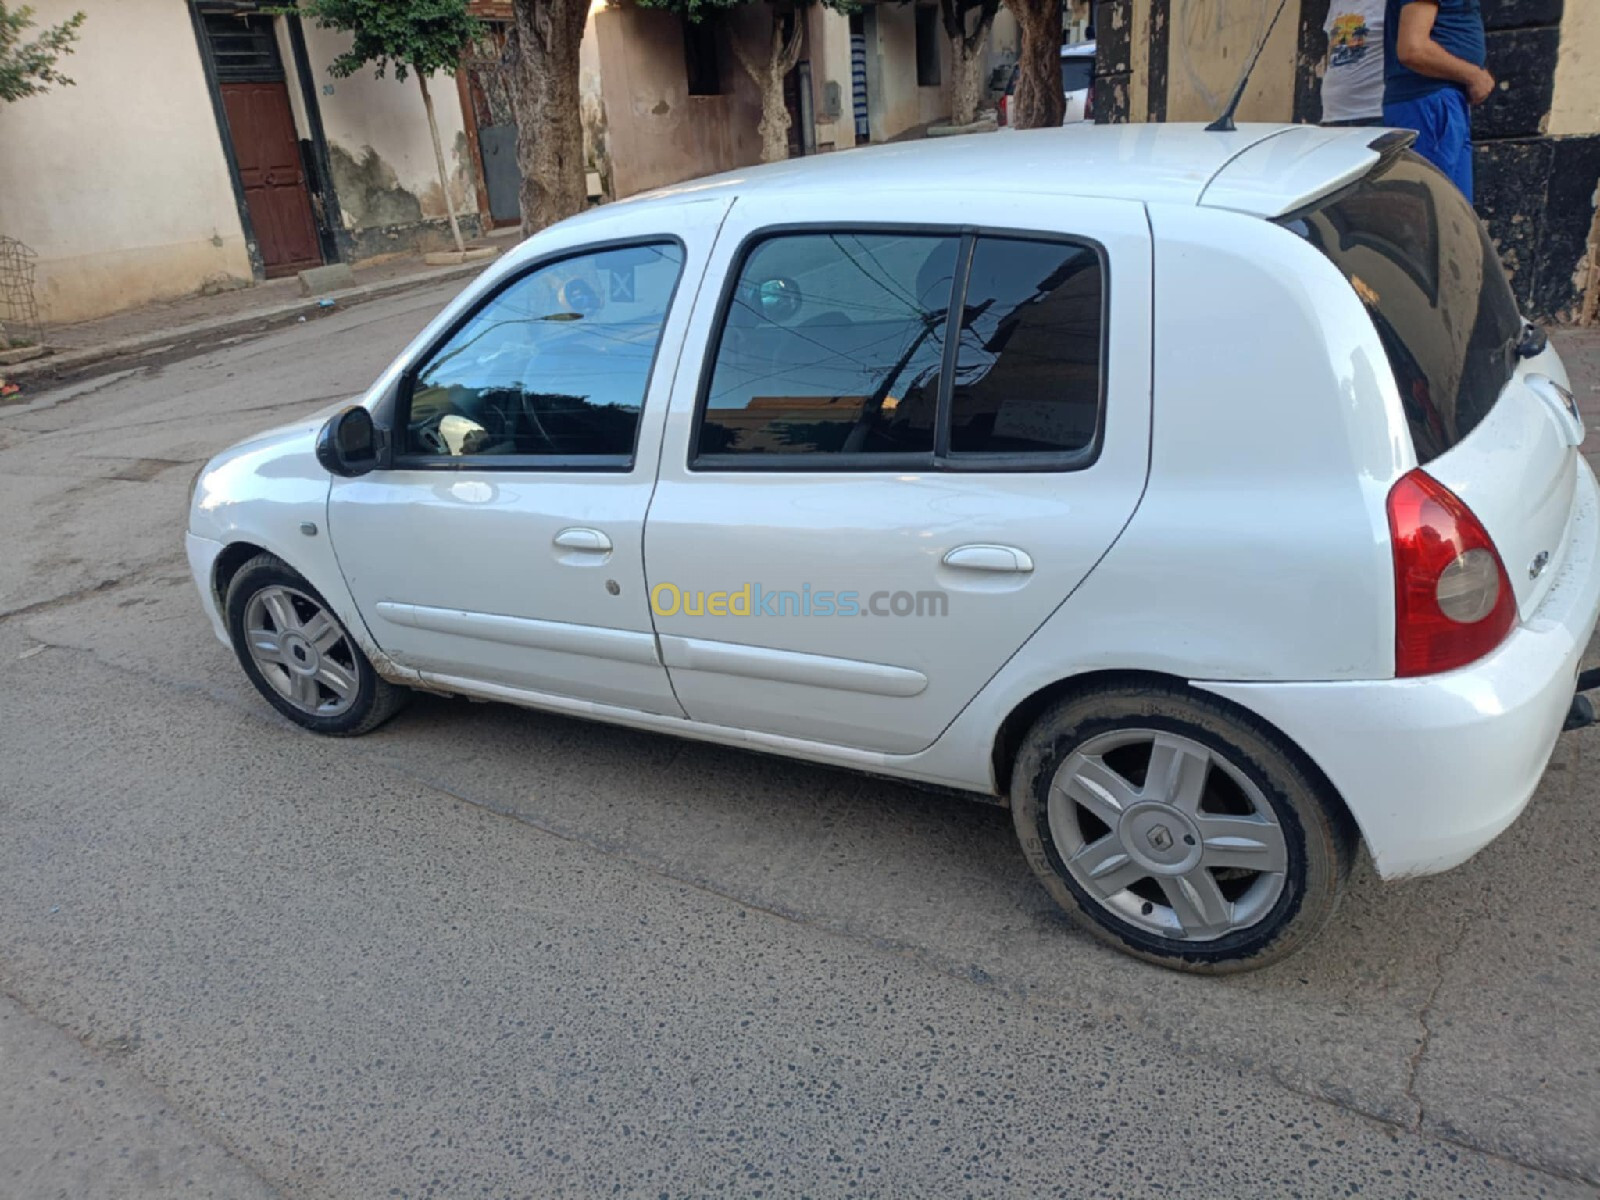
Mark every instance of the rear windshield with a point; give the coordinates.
(1417, 255)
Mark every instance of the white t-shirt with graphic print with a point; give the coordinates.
(1352, 89)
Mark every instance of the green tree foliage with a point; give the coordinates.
(414, 35)
(27, 68)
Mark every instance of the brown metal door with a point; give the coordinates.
(261, 128)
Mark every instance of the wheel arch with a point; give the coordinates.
(234, 556)
(1008, 738)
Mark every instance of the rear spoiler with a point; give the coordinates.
(1301, 166)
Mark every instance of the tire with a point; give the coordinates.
(1128, 799)
(304, 661)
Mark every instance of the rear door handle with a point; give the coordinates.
(583, 539)
(1006, 559)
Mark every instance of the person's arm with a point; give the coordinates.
(1416, 49)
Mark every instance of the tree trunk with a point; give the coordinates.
(438, 160)
(782, 55)
(1039, 101)
(542, 57)
(966, 52)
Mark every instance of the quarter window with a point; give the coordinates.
(555, 366)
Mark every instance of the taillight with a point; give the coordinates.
(1003, 100)
(1088, 103)
(1453, 599)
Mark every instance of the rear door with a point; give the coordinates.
(870, 497)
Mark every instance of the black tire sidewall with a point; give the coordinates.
(1314, 869)
(267, 571)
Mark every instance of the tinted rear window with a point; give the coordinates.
(1417, 255)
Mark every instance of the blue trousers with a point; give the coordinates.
(1443, 121)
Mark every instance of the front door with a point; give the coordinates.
(505, 545)
(858, 522)
(255, 100)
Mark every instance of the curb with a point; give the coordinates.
(177, 337)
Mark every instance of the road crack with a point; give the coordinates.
(1442, 962)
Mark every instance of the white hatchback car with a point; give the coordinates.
(1201, 496)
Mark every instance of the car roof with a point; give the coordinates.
(1081, 50)
(1153, 163)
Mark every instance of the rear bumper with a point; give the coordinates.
(1434, 769)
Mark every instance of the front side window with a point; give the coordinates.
(833, 354)
(555, 366)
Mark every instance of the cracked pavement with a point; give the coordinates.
(490, 952)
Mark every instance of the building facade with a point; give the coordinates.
(205, 146)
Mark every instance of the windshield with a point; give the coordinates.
(1417, 255)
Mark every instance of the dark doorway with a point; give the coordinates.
(261, 132)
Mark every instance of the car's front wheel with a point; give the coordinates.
(300, 657)
(1177, 828)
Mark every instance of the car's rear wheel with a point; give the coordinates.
(299, 656)
(1177, 828)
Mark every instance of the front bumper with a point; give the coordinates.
(203, 566)
(1434, 769)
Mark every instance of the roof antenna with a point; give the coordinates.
(1224, 123)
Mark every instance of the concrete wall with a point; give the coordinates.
(657, 133)
(119, 184)
(828, 51)
(382, 156)
(1211, 41)
(894, 101)
(1575, 107)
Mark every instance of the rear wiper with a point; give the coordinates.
(1532, 342)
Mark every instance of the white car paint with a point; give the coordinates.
(1235, 539)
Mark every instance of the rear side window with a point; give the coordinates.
(1415, 252)
(835, 353)
(833, 344)
(1077, 74)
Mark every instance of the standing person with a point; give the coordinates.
(1352, 83)
(1434, 51)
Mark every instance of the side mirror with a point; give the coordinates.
(348, 443)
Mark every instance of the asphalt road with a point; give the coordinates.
(492, 953)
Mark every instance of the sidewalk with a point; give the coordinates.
(174, 325)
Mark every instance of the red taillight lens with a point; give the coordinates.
(1088, 103)
(1453, 600)
(1003, 100)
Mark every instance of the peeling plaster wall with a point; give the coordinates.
(655, 131)
(119, 184)
(381, 154)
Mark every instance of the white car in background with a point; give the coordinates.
(1077, 83)
(1202, 497)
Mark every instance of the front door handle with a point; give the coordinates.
(583, 539)
(1007, 559)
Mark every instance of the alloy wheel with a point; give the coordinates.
(1167, 835)
(301, 651)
